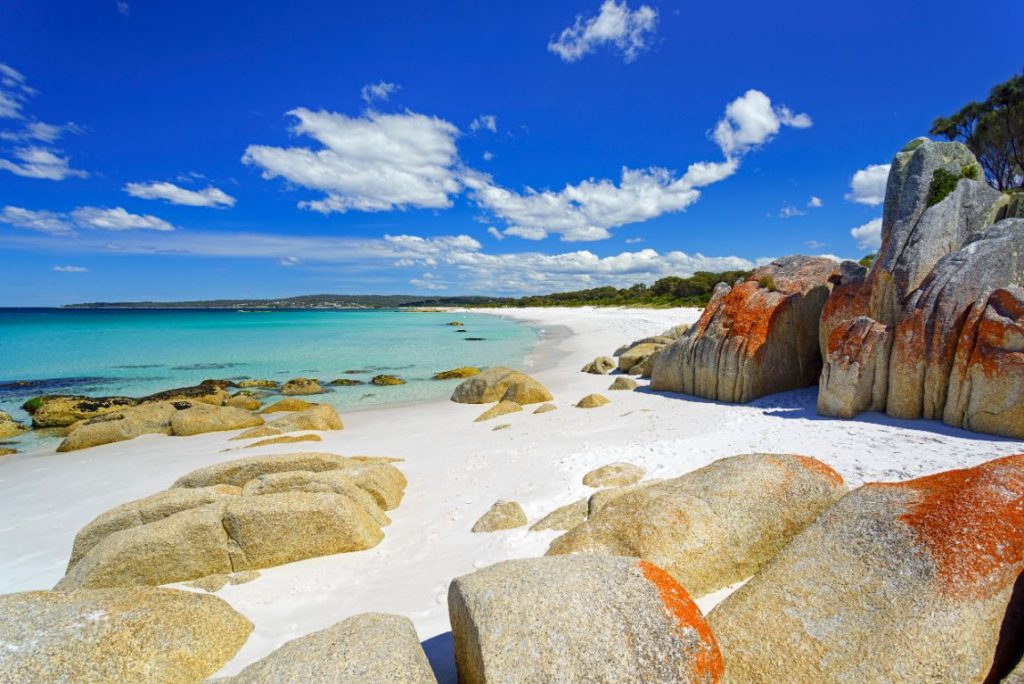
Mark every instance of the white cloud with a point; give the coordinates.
(39, 162)
(588, 210)
(751, 120)
(70, 269)
(40, 221)
(814, 244)
(428, 282)
(485, 121)
(207, 197)
(789, 211)
(381, 90)
(14, 91)
(868, 236)
(487, 155)
(43, 132)
(814, 203)
(123, 9)
(377, 162)
(495, 233)
(868, 185)
(615, 25)
(634, 240)
(117, 219)
(289, 261)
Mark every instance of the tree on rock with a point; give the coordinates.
(994, 132)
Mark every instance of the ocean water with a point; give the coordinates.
(139, 352)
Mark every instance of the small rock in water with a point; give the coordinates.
(302, 386)
(386, 380)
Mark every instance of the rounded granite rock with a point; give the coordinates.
(614, 475)
(503, 515)
(592, 401)
(302, 387)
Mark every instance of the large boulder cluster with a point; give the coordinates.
(933, 329)
(236, 516)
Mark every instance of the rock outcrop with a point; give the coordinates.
(503, 515)
(386, 380)
(240, 515)
(715, 526)
(64, 410)
(579, 619)
(210, 392)
(302, 387)
(111, 636)
(316, 417)
(10, 427)
(180, 418)
(563, 518)
(461, 372)
(495, 384)
(897, 582)
(371, 647)
(755, 338)
(890, 337)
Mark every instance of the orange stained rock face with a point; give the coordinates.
(823, 469)
(972, 523)
(748, 311)
(708, 663)
(1000, 340)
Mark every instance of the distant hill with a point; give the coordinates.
(319, 301)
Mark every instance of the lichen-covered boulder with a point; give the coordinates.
(500, 409)
(245, 401)
(757, 338)
(503, 515)
(10, 427)
(898, 582)
(602, 365)
(931, 326)
(101, 636)
(302, 386)
(637, 354)
(614, 475)
(124, 424)
(579, 619)
(201, 418)
(457, 373)
(715, 526)
(62, 410)
(371, 647)
(986, 383)
(494, 384)
(855, 376)
(328, 481)
(261, 384)
(592, 401)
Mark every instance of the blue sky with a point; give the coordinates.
(158, 150)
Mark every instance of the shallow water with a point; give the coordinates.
(139, 352)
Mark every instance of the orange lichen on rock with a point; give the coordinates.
(820, 468)
(1000, 340)
(708, 661)
(971, 521)
(748, 311)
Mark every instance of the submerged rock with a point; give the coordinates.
(346, 382)
(264, 384)
(579, 619)
(715, 526)
(117, 635)
(897, 582)
(385, 380)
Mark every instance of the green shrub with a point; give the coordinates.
(943, 183)
(868, 260)
(767, 283)
(32, 405)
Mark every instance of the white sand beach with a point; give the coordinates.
(456, 469)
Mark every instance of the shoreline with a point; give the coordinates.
(456, 469)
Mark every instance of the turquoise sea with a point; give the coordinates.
(139, 352)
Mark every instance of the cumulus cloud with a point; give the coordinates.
(485, 121)
(814, 203)
(588, 210)
(49, 222)
(615, 25)
(789, 211)
(376, 162)
(39, 162)
(428, 282)
(207, 197)
(495, 233)
(381, 90)
(751, 120)
(70, 269)
(868, 185)
(487, 155)
(869, 235)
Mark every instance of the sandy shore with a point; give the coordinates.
(456, 470)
